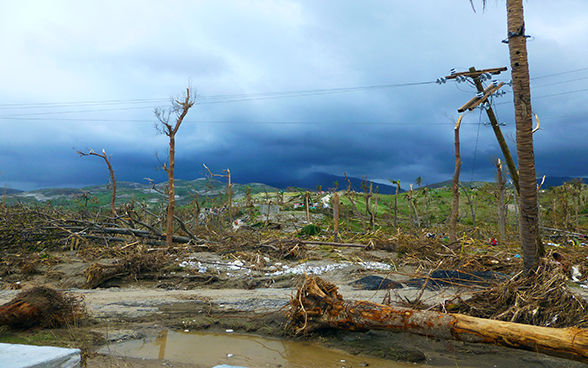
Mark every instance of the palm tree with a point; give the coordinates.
(531, 245)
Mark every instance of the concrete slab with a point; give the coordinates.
(29, 356)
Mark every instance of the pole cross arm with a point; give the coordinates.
(476, 101)
(477, 73)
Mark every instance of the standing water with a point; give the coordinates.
(211, 349)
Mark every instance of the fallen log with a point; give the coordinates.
(317, 305)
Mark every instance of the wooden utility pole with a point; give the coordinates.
(487, 92)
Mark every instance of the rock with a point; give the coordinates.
(374, 282)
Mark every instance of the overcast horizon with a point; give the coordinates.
(283, 89)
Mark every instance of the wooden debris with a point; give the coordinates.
(354, 245)
(317, 305)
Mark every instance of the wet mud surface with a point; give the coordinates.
(206, 292)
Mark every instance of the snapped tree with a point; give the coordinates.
(110, 170)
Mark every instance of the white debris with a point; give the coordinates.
(305, 268)
(576, 274)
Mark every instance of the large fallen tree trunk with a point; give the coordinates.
(318, 305)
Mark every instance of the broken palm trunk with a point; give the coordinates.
(318, 305)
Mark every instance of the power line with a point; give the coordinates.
(216, 99)
(556, 83)
(82, 103)
(213, 99)
(551, 95)
(561, 73)
(300, 93)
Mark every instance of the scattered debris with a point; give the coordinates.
(542, 299)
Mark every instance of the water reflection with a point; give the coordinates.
(239, 349)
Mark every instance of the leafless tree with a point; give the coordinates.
(501, 205)
(455, 185)
(397, 182)
(110, 170)
(179, 110)
(230, 200)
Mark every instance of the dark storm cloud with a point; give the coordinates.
(239, 57)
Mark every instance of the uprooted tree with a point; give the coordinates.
(317, 305)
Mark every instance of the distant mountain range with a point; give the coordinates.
(126, 191)
(556, 181)
(327, 182)
(205, 187)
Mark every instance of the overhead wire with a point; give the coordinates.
(560, 73)
(476, 147)
(216, 99)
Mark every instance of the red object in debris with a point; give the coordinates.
(494, 241)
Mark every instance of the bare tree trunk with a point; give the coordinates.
(171, 191)
(335, 200)
(349, 195)
(229, 191)
(397, 182)
(368, 205)
(306, 205)
(110, 170)
(396, 206)
(471, 203)
(500, 206)
(413, 205)
(532, 248)
(455, 186)
(181, 110)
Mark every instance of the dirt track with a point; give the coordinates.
(181, 300)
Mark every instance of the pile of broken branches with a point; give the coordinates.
(542, 299)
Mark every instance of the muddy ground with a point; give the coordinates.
(248, 292)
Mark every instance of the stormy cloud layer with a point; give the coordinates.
(284, 88)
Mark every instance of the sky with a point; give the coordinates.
(283, 88)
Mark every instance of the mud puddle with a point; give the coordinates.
(211, 349)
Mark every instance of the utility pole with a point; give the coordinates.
(484, 94)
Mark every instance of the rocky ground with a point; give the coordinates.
(203, 290)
